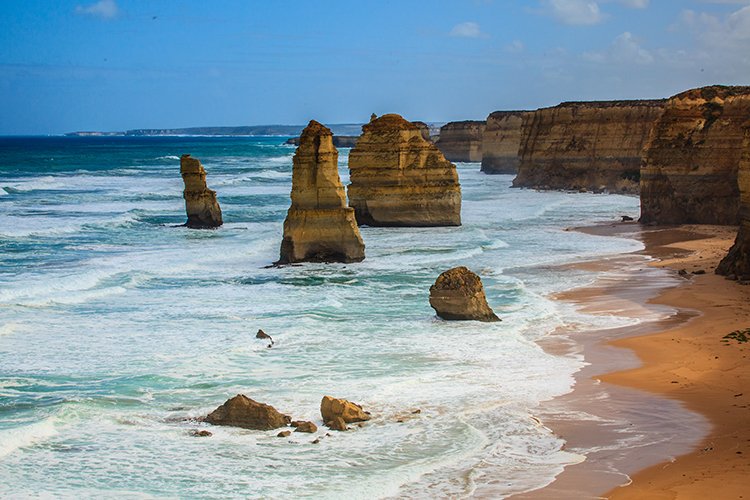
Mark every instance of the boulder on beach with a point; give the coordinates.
(241, 411)
(202, 208)
(458, 294)
(332, 410)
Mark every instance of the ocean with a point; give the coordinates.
(118, 328)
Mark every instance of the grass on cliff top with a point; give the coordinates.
(741, 336)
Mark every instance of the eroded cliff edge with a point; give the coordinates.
(737, 262)
(593, 146)
(461, 141)
(690, 164)
(500, 142)
(400, 179)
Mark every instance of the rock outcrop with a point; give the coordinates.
(424, 129)
(737, 261)
(241, 411)
(337, 413)
(689, 173)
(319, 227)
(202, 208)
(592, 146)
(500, 142)
(458, 294)
(400, 179)
(461, 141)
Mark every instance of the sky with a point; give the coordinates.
(112, 65)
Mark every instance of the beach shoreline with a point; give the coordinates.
(625, 380)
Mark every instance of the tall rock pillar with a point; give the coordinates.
(202, 208)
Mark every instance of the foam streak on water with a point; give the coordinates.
(116, 326)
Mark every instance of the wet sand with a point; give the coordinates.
(660, 402)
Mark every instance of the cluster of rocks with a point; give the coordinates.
(241, 411)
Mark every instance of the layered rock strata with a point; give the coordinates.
(586, 146)
(500, 142)
(737, 262)
(340, 141)
(458, 294)
(424, 129)
(202, 208)
(319, 227)
(241, 411)
(400, 179)
(690, 165)
(461, 141)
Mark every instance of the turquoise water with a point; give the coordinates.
(117, 327)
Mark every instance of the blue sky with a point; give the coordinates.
(121, 64)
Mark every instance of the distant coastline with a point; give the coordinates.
(249, 130)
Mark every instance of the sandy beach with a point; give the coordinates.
(677, 378)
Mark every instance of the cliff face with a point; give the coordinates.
(319, 227)
(593, 146)
(461, 141)
(202, 209)
(737, 261)
(400, 179)
(500, 142)
(690, 165)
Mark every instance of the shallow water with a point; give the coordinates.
(116, 327)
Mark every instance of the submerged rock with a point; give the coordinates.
(241, 411)
(202, 208)
(304, 426)
(337, 413)
(458, 294)
(319, 227)
(400, 179)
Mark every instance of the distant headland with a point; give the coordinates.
(249, 130)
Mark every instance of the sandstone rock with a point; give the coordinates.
(690, 165)
(202, 208)
(241, 411)
(424, 129)
(201, 433)
(337, 424)
(319, 227)
(305, 427)
(590, 146)
(737, 261)
(500, 142)
(400, 179)
(284, 434)
(461, 141)
(458, 294)
(332, 408)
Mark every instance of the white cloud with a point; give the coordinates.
(625, 49)
(730, 32)
(106, 9)
(469, 29)
(576, 12)
(515, 47)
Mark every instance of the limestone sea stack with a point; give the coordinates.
(690, 164)
(500, 142)
(202, 208)
(319, 227)
(461, 141)
(737, 262)
(400, 179)
(586, 146)
(458, 294)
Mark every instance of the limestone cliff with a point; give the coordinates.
(689, 172)
(319, 227)
(500, 142)
(400, 179)
(737, 262)
(593, 146)
(461, 141)
(424, 129)
(202, 208)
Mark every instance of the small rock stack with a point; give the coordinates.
(203, 210)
